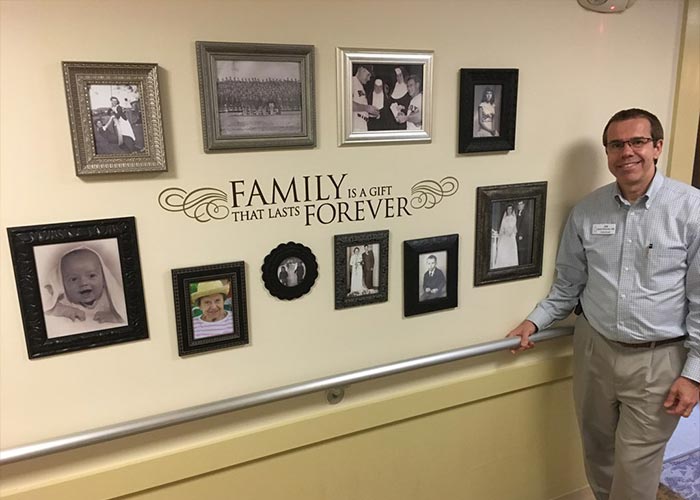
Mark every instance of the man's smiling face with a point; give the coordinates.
(632, 167)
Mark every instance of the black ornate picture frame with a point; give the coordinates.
(431, 272)
(115, 117)
(211, 308)
(79, 284)
(361, 268)
(487, 109)
(509, 232)
(289, 271)
(256, 95)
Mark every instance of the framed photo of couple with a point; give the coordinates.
(361, 268)
(210, 307)
(115, 117)
(430, 274)
(289, 270)
(509, 232)
(487, 109)
(384, 95)
(79, 284)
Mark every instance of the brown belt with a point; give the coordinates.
(653, 344)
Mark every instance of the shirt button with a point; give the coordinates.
(629, 241)
(627, 269)
(623, 295)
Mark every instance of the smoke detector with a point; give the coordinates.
(606, 6)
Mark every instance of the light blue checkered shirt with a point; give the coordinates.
(635, 267)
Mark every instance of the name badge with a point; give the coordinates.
(604, 228)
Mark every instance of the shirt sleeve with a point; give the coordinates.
(692, 322)
(571, 279)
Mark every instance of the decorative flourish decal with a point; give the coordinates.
(203, 204)
(315, 199)
(428, 193)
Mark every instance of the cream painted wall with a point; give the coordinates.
(576, 69)
(687, 106)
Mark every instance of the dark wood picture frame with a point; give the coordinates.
(134, 122)
(376, 270)
(53, 322)
(419, 297)
(497, 130)
(187, 283)
(492, 225)
(277, 124)
(298, 280)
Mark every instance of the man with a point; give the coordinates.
(210, 297)
(361, 111)
(630, 252)
(433, 281)
(523, 237)
(413, 118)
(368, 267)
(283, 275)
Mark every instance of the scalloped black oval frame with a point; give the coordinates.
(276, 257)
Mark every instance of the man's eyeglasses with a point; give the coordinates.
(634, 142)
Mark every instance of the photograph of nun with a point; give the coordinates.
(383, 91)
(81, 286)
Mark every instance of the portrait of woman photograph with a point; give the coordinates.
(487, 110)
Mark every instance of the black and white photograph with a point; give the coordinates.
(487, 110)
(384, 95)
(432, 271)
(259, 98)
(430, 274)
(210, 307)
(361, 268)
(81, 287)
(387, 97)
(79, 284)
(256, 95)
(289, 270)
(509, 232)
(115, 117)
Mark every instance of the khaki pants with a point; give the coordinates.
(619, 393)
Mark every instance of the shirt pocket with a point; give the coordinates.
(664, 268)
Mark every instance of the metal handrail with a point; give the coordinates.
(336, 382)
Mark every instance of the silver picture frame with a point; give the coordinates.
(115, 117)
(256, 95)
(386, 124)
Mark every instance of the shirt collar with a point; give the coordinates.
(647, 197)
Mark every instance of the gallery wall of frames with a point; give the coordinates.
(236, 209)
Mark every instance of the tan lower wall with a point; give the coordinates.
(510, 434)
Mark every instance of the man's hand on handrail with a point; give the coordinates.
(523, 330)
